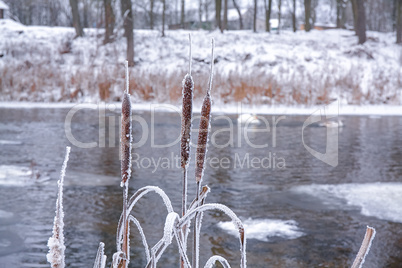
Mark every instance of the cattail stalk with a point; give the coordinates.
(187, 112)
(126, 139)
(201, 153)
(56, 243)
(364, 248)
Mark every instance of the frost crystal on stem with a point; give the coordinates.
(56, 243)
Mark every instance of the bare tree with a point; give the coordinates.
(307, 14)
(200, 11)
(218, 9)
(240, 16)
(225, 16)
(294, 16)
(182, 14)
(127, 14)
(79, 31)
(354, 11)
(279, 15)
(255, 17)
(399, 21)
(361, 21)
(267, 6)
(163, 17)
(109, 21)
(340, 13)
(151, 15)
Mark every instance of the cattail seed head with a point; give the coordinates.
(188, 87)
(204, 125)
(126, 138)
(203, 137)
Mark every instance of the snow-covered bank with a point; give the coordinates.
(375, 110)
(45, 64)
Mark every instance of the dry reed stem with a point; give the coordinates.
(364, 248)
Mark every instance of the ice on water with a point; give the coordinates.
(381, 200)
(264, 229)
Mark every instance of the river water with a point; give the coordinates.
(298, 210)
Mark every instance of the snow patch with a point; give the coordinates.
(263, 229)
(380, 200)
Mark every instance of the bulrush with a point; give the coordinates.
(204, 125)
(126, 137)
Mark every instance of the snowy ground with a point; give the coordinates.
(44, 64)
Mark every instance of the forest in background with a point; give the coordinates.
(344, 50)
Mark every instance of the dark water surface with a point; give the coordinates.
(300, 211)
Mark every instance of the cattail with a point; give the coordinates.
(188, 87)
(126, 137)
(204, 125)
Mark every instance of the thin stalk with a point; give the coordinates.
(364, 248)
(201, 155)
(187, 111)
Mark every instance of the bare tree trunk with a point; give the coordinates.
(307, 14)
(338, 13)
(399, 21)
(268, 15)
(200, 11)
(354, 10)
(361, 21)
(163, 17)
(240, 16)
(76, 18)
(225, 16)
(279, 15)
(127, 14)
(218, 9)
(109, 21)
(294, 16)
(255, 17)
(85, 13)
(182, 14)
(151, 15)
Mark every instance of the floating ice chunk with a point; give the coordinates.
(263, 229)
(5, 214)
(380, 200)
(15, 175)
(7, 142)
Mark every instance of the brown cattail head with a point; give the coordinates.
(188, 87)
(126, 137)
(204, 126)
(203, 137)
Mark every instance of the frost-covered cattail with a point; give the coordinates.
(56, 243)
(126, 137)
(188, 87)
(204, 125)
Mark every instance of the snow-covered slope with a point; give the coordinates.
(48, 64)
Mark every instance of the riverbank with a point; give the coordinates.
(46, 64)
